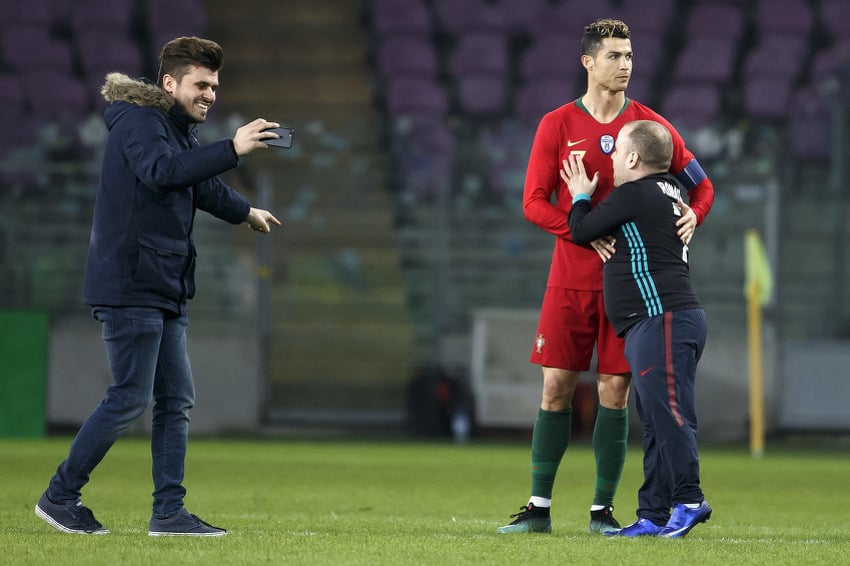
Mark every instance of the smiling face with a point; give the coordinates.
(194, 91)
(611, 66)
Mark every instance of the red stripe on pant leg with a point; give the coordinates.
(671, 376)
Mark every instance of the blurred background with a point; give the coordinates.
(401, 294)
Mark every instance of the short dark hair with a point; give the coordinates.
(653, 142)
(595, 32)
(183, 52)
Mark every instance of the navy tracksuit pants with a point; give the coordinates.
(663, 352)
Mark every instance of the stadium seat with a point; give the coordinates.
(117, 15)
(724, 21)
(407, 55)
(480, 53)
(101, 51)
(167, 15)
(40, 50)
(784, 16)
(705, 59)
(54, 94)
(835, 19)
(550, 56)
(767, 98)
(17, 13)
(521, 16)
(778, 55)
(810, 126)
(569, 18)
(692, 106)
(411, 95)
(535, 98)
(400, 16)
(460, 17)
(481, 96)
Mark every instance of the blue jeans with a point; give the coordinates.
(146, 349)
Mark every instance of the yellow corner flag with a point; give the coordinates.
(758, 289)
(758, 277)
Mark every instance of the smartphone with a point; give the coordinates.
(285, 139)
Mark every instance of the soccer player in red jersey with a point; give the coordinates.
(572, 318)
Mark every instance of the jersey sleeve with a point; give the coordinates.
(587, 224)
(541, 180)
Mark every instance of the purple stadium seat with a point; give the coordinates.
(114, 14)
(691, 106)
(767, 98)
(101, 51)
(31, 47)
(458, 17)
(415, 96)
(15, 13)
(809, 126)
(717, 20)
(705, 60)
(569, 18)
(550, 56)
(535, 98)
(777, 55)
(830, 61)
(645, 18)
(165, 15)
(400, 16)
(407, 55)
(55, 95)
(480, 53)
(481, 96)
(784, 16)
(521, 16)
(11, 95)
(835, 19)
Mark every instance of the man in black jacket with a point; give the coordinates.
(649, 300)
(140, 273)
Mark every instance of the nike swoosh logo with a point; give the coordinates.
(646, 371)
(571, 143)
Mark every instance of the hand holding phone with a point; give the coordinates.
(285, 139)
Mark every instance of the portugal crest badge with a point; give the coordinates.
(539, 342)
(606, 142)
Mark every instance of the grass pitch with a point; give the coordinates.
(320, 502)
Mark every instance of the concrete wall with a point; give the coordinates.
(507, 387)
(224, 364)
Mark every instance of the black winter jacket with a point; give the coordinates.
(154, 177)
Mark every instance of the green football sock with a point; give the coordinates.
(610, 436)
(548, 443)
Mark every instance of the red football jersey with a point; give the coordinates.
(571, 129)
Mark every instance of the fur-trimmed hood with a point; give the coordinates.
(119, 86)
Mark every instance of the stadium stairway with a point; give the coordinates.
(341, 339)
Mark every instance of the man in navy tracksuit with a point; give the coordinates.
(140, 273)
(648, 298)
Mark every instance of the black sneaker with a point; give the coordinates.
(183, 524)
(68, 518)
(530, 519)
(603, 521)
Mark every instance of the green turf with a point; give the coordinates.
(289, 502)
